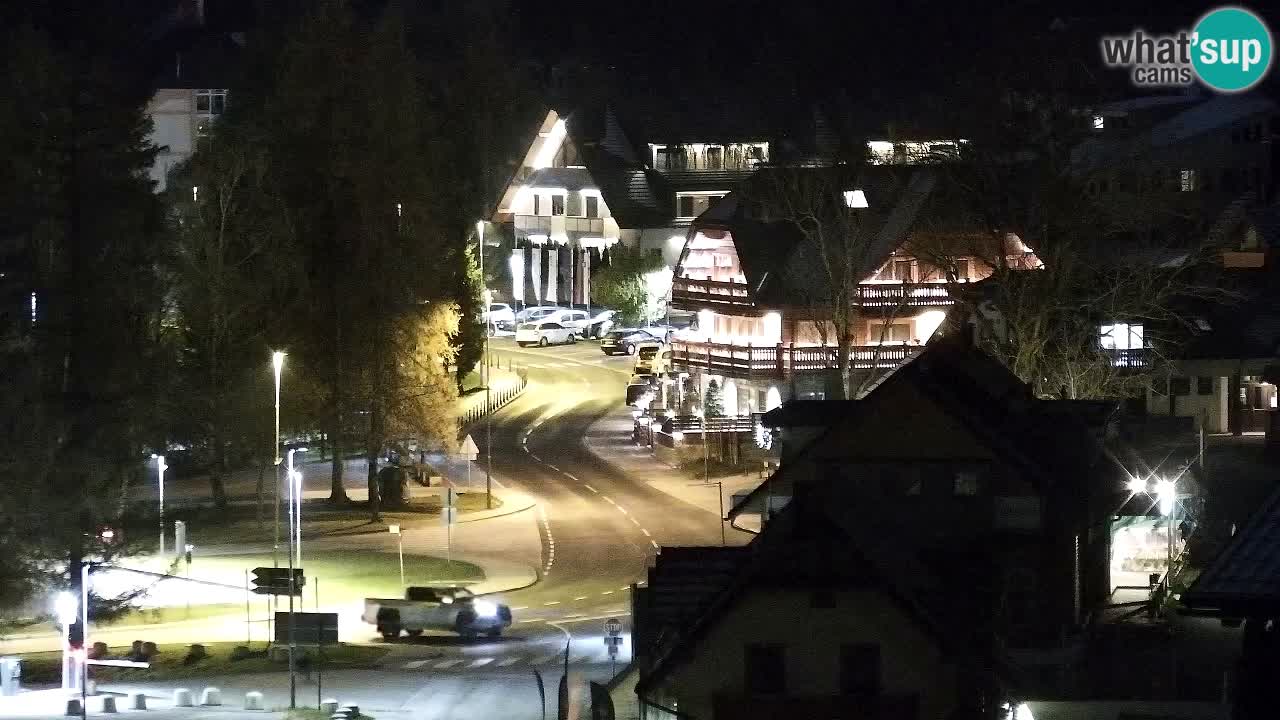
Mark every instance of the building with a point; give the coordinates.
(816, 618)
(953, 463)
(585, 183)
(763, 300)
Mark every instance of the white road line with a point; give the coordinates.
(646, 532)
(480, 662)
(508, 662)
(448, 664)
(522, 607)
(608, 499)
(635, 522)
(621, 509)
(552, 602)
(590, 488)
(654, 544)
(535, 457)
(571, 476)
(607, 592)
(580, 597)
(414, 665)
(553, 467)
(626, 587)
(575, 616)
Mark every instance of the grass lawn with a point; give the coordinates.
(239, 524)
(345, 575)
(170, 663)
(153, 616)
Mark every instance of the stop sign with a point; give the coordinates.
(613, 626)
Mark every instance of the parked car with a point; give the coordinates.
(453, 609)
(544, 332)
(602, 322)
(579, 320)
(625, 341)
(662, 332)
(497, 316)
(537, 312)
(648, 358)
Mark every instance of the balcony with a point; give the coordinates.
(713, 293)
(778, 361)
(1132, 358)
(565, 226)
(693, 294)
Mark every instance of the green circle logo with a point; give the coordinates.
(1231, 49)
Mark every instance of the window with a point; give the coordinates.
(966, 483)
(889, 332)
(210, 104)
(593, 206)
(552, 326)
(573, 205)
(860, 669)
(1099, 122)
(1121, 336)
(672, 158)
(557, 204)
(715, 158)
(765, 669)
(1180, 386)
(1187, 180)
(1204, 385)
(685, 203)
(537, 204)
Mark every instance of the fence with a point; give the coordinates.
(779, 360)
(498, 397)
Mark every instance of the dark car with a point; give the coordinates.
(626, 340)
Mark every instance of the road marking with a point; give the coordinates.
(448, 664)
(626, 587)
(635, 522)
(570, 476)
(535, 457)
(522, 607)
(508, 662)
(414, 665)
(590, 488)
(552, 602)
(654, 544)
(553, 467)
(529, 621)
(621, 509)
(480, 662)
(575, 616)
(646, 532)
(580, 597)
(608, 499)
(607, 592)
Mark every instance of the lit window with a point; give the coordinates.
(1187, 180)
(1099, 122)
(855, 199)
(1121, 336)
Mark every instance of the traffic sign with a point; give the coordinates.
(613, 627)
(393, 529)
(469, 448)
(275, 581)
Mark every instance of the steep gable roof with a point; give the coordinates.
(1245, 578)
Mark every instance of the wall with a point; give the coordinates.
(1212, 407)
(910, 661)
(172, 113)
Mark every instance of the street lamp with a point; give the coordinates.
(277, 364)
(295, 503)
(160, 468)
(65, 606)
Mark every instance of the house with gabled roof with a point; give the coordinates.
(763, 299)
(818, 617)
(953, 462)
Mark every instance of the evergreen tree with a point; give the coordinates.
(713, 400)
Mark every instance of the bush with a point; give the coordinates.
(195, 654)
(240, 652)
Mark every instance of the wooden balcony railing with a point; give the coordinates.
(778, 361)
(691, 294)
(1135, 358)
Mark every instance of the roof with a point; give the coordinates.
(1246, 329)
(809, 547)
(1245, 578)
(1054, 441)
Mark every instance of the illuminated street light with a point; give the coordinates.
(277, 364)
(1167, 493)
(1137, 486)
(295, 504)
(160, 468)
(65, 607)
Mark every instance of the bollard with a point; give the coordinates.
(91, 687)
(108, 703)
(253, 700)
(211, 696)
(73, 707)
(328, 706)
(137, 701)
(182, 697)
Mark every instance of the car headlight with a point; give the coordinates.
(485, 609)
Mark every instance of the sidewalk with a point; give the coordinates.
(610, 440)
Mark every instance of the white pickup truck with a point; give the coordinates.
(454, 609)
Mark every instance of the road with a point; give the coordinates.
(598, 527)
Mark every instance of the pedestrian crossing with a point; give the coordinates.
(544, 659)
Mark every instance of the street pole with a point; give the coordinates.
(84, 638)
(484, 378)
(160, 468)
(277, 364)
(293, 679)
(720, 491)
(400, 543)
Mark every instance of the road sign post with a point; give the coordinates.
(395, 530)
(612, 640)
(447, 511)
(275, 581)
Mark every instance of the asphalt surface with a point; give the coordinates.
(599, 529)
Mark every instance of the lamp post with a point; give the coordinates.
(1167, 493)
(395, 530)
(706, 460)
(277, 364)
(160, 468)
(65, 606)
(484, 378)
(295, 503)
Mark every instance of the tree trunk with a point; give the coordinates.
(337, 492)
(216, 487)
(842, 347)
(372, 451)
